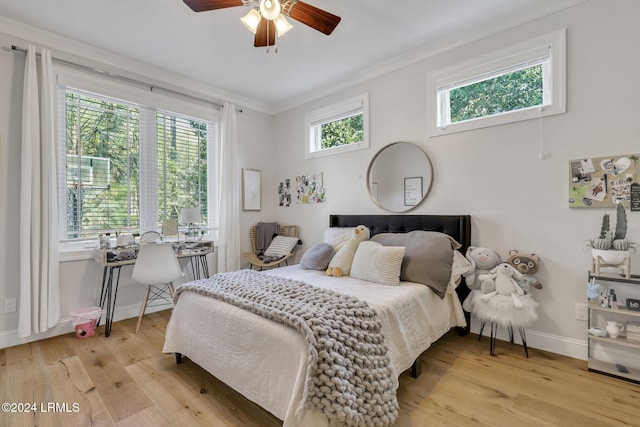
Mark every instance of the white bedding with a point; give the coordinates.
(266, 361)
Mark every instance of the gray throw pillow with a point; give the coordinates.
(317, 257)
(428, 257)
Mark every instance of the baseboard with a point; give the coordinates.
(65, 326)
(535, 339)
(564, 346)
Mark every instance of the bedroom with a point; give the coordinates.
(516, 199)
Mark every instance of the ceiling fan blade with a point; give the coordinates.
(318, 19)
(204, 5)
(265, 34)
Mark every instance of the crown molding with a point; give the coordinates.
(87, 55)
(77, 51)
(427, 51)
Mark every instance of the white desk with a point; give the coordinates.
(112, 261)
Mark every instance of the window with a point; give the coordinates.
(102, 149)
(518, 83)
(130, 166)
(338, 127)
(514, 89)
(182, 164)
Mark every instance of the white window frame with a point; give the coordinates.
(334, 112)
(505, 60)
(150, 103)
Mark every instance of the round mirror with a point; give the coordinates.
(399, 177)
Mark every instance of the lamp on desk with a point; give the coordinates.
(191, 217)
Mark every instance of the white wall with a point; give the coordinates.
(80, 280)
(517, 200)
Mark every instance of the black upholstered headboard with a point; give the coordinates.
(456, 226)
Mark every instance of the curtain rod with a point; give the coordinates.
(124, 78)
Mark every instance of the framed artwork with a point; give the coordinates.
(412, 190)
(251, 189)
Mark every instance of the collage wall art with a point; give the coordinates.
(604, 181)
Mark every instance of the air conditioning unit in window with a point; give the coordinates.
(88, 171)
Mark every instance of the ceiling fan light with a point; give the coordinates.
(282, 25)
(251, 20)
(270, 9)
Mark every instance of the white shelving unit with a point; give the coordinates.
(620, 347)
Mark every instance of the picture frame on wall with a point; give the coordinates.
(251, 189)
(412, 190)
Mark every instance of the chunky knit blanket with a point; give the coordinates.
(349, 377)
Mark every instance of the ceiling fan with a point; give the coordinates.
(266, 18)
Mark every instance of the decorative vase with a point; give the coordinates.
(614, 328)
(610, 256)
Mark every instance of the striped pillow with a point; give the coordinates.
(281, 246)
(376, 263)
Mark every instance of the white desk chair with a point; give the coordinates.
(156, 266)
(150, 237)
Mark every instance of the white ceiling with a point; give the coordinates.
(214, 47)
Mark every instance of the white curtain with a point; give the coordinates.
(39, 268)
(229, 193)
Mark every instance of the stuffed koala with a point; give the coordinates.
(526, 265)
(340, 264)
(482, 261)
(504, 278)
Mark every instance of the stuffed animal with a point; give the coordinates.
(482, 261)
(527, 265)
(503, 277)
(340, 264)
(593, 290)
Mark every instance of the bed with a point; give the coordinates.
(266, 361)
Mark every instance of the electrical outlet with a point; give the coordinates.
(580, 311)
(10, 305)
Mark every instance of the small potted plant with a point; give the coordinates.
(612, 247)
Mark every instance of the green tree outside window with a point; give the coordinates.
(509, 92)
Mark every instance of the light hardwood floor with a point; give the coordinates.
(125, 380)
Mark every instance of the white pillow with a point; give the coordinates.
(460, 264)
(281, 246)
(376, 263)
(336, 236)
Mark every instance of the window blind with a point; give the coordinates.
(129, 167)
(101, 153)
(495, 73)
(336, 117)
(182, 164)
